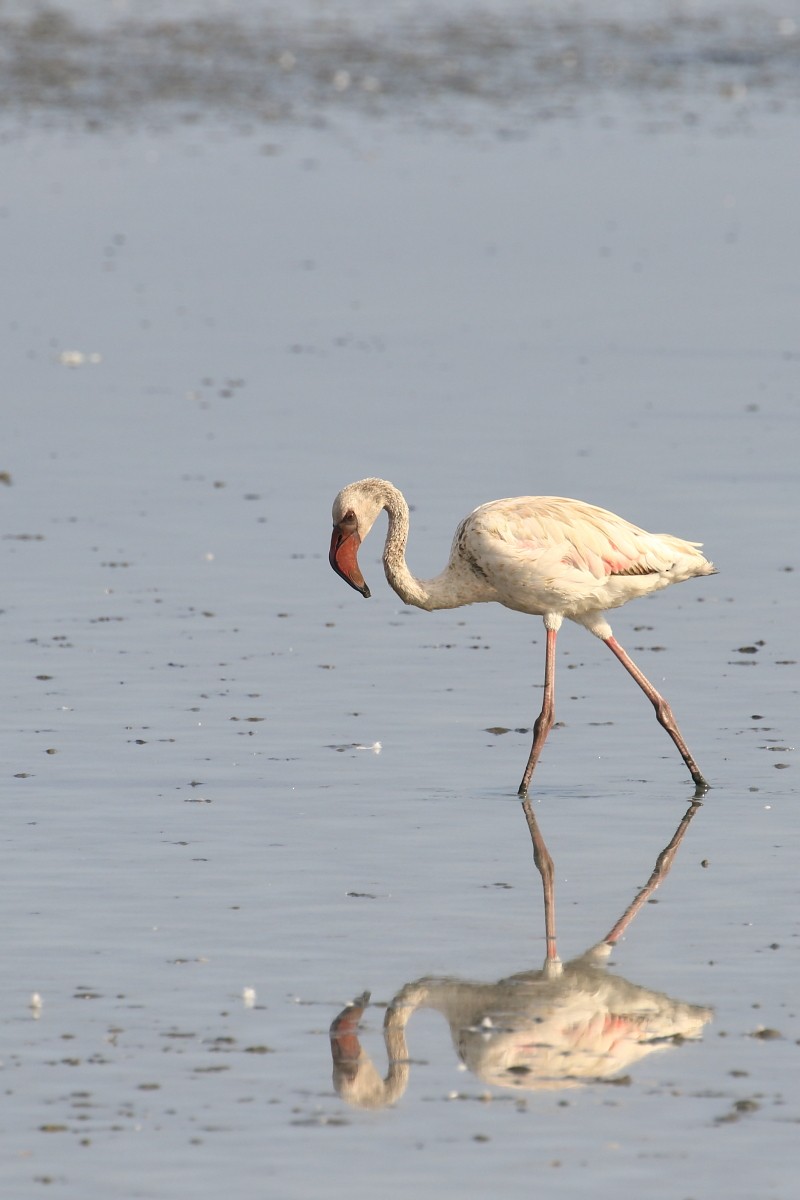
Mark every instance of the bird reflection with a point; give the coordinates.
(559, 1027)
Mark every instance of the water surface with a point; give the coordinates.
(210, 327)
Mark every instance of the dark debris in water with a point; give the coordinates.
(739, 1109)
(527, 62)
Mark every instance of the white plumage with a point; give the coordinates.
(543, 555)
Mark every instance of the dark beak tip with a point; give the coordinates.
(365, 592)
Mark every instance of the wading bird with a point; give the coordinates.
(543, 555)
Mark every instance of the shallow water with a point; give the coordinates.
(225, 771)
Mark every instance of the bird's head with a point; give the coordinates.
(354, 513)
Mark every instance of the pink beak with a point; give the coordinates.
(343, 555)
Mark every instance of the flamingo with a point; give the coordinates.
(543, 555)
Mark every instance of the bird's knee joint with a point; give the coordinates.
(543, 724)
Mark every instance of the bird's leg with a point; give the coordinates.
(544, 865)
(544, 721)
(663, 711)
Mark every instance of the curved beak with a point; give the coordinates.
(345, 1046)
(343, 556)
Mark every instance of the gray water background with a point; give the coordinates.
(478, 280)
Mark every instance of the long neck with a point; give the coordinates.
(408, 587)
(449, 589)
(441, 592)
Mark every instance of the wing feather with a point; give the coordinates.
(551, 531)
(548, 554)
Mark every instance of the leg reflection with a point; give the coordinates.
(660, 872)
(544, 865)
